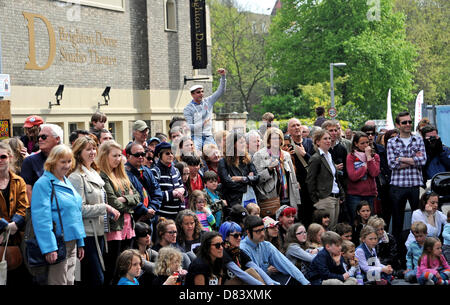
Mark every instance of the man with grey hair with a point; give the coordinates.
(253, 140)
(50, 135)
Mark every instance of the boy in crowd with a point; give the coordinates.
(415, 249)
(213, 197)
(344, 230)
(328, 265)
(98, 121)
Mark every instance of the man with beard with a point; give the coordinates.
(438, 155)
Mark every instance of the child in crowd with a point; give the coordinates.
(195, 180)
(129, 267)
(446, 237)
(198, 204)
(184, 172)
(387, 245)
(98, 121)
(369, 263)
(327, 268)
(344, 230)
(363, 213)
(322, 217)
(415, 249)
(313, 237)
(350, 261)
(213, 198)
(168, 269)
(272, 232)
(433, 268)
(253, 209)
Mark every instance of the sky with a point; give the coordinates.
(258, 6)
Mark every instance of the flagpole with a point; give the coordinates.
(389, 121)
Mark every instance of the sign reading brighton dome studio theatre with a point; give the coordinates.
(198, 34)
(71, 45)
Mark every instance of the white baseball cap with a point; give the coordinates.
(195, 87)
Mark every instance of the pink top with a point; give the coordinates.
(126, 233)
(434, 264)
(361, 179)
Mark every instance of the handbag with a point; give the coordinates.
(3, 262)
(33, 253)
(269, 207)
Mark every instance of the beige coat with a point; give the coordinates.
(266, 187)
(94, 207)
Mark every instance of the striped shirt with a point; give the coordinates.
(169, 178)
(411, 175)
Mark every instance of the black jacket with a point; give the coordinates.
(233, 191)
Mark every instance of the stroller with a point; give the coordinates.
(440, 184)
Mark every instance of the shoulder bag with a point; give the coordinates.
(33, 253)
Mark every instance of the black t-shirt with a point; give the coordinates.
(243, 260)
(5, 193)
(198, 266)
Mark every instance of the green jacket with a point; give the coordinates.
(127, 207)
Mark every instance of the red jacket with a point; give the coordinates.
(361, 179)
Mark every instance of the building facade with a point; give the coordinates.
(139, 48)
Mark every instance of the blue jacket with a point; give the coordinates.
(152, 188)
(264, 254)
(323, 268)
(44, 213)
(412, 255)
(438, 164)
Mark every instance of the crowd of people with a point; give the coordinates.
(307, 205)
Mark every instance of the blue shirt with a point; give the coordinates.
(264, 254)
(446, 234)
(126, 281)
(412, 255)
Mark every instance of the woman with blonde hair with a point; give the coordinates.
(89, 184)
(56, 202)
(122, 196)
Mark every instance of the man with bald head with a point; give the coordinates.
(302, 150)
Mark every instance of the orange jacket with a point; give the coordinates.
(18, 203)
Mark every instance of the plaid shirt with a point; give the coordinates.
(412, 175)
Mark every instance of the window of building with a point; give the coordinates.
(170, 9)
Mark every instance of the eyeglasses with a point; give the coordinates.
(258, 231)
(168, 153)
(406, 122)
(218, 245)
(138, 154)
(171, 232)
(370, 133)
(3, 157)
(236, 235)
(300, 233)
(43, 137)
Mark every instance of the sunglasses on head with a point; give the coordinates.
(406, 122)
(236, 235)
(3, 157)
(218, 245)
(138, 154)
(43, 137)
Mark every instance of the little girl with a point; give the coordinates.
(197, 203)
(368, 261)
(313, 238)
(433, 268)
(129, 267)
(363, 213)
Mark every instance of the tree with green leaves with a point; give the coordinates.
(307, 35)
(238, 42)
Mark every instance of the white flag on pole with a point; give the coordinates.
(418, 111)
(389, 121)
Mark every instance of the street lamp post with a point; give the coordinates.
(339, 64)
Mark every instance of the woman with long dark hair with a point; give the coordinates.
(236, 171)
(207, 268)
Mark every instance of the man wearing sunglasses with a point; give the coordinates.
(406, 155)
(49, 136)
(143, 180)
(264, 254)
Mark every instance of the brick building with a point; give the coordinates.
(140, 48)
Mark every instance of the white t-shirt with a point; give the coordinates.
(327, 156)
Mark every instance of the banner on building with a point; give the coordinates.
(198, 34)
(5, 85)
